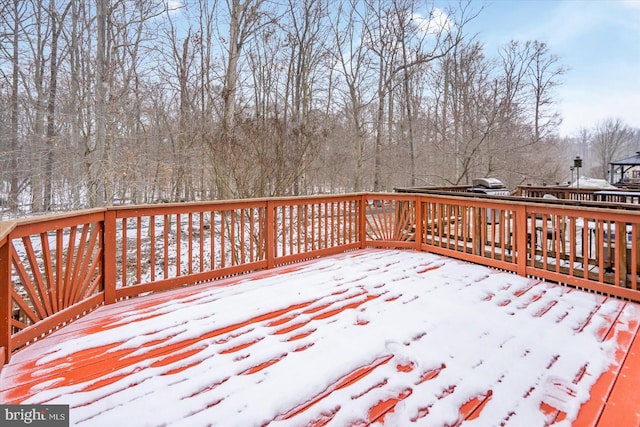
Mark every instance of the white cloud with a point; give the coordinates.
(174, 5)
(437, 22)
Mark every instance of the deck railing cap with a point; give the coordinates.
(6, 227)
(236, 201)
(57, 215)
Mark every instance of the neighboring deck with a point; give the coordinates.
(368, 336)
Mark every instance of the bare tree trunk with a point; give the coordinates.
(377, 168)
(409, 118)
(182, 184)
(245, 19)
(14, 144)
(544, 74)
(231, 75)
(229, 93)
(99, 164)
(39, 115)
(359, 149)
(74, 69)
(51, 137)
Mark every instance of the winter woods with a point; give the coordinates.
(141, 101)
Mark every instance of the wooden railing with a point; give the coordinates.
(54, 269)
(565, 193)
(622, 196)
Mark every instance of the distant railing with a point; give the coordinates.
(431, 189)
(54, 269)
(580, 194)
(565, 193)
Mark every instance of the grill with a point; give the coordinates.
(489, 186)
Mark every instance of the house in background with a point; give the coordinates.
(625, 172)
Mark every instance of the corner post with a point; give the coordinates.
(5, 300)
(109, 257)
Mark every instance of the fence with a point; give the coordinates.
(54, 269)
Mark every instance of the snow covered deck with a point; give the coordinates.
(371, 336)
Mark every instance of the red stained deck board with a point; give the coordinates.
(623, 405)
(590, 413)
(613, 399)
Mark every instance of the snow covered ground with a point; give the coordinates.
(328, 341)
(587, 182)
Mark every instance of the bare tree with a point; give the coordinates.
(471, 101)
(117, 101)
(99, 166)
(353, 62)
(381, 42)
(306, 44)
(610, 139)
(15, 12)
(391, 28)
(51, 133)
(245, 18)
(544, 74)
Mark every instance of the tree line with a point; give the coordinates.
(141, 101)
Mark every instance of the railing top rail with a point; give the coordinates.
(6, 227)
(519, 200)
(223, 203)
(56, 221)
(577, 207)
(454, 188)
(318, 197)
(558, 188)
(56, 216)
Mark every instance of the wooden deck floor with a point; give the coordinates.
(373, 336)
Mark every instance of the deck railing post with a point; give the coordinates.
(418, 223)
(521, 240)
(109, 257)
(5, 300)
(362, 221)
(270, 235)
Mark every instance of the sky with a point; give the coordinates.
(597, 41)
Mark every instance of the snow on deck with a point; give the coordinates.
(373, 336)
